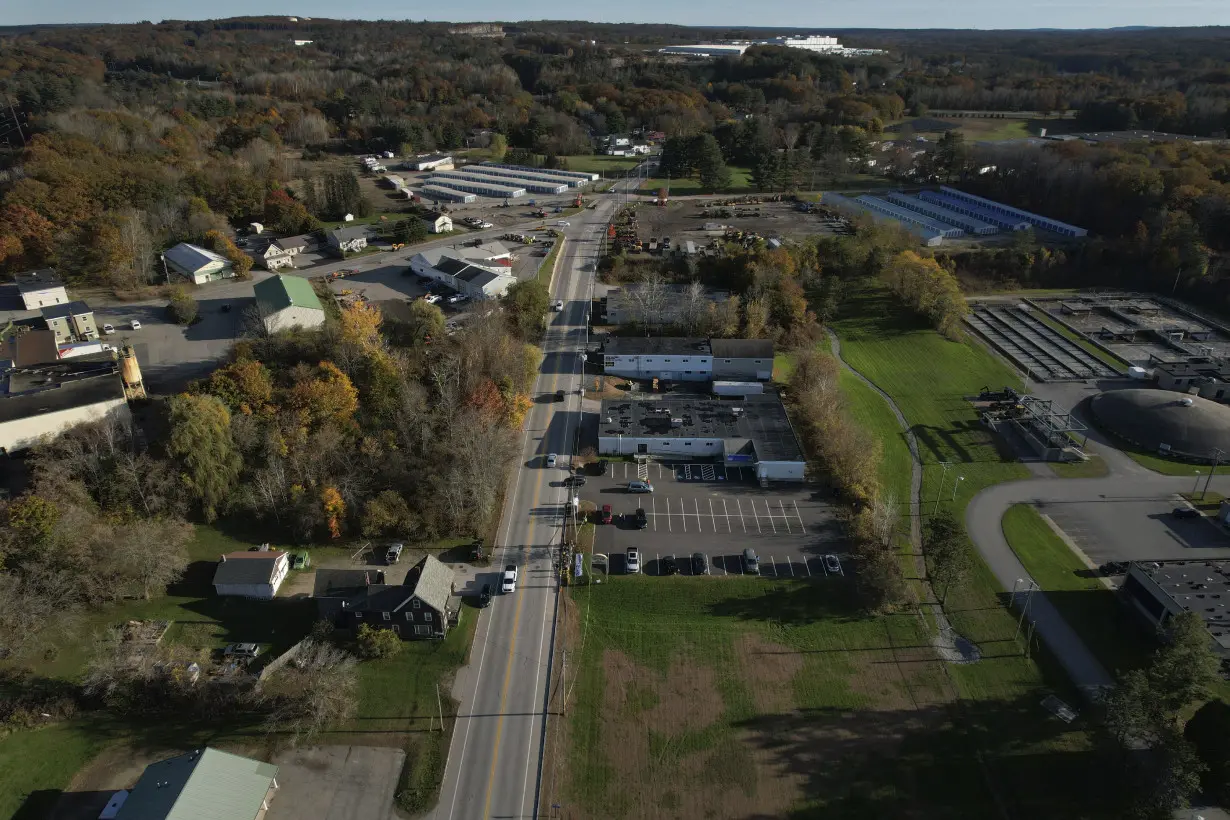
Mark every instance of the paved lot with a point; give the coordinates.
(718, 511)
(336, 783)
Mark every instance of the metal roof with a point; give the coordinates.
(37, 280)
(655, 346)
(48, 388)
(247, 567)
(741, 348)
(63, 311)
(280, 292)
(200, 785)
(191, 258)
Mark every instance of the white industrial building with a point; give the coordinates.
(678, 359)
(46, 399)
(476, 278)
(288, 301)
(541, 174)
(535, 185)
(474, 187)
(443, 193)
(748, 430)
(40, 288)
(431, 162)
(583, 175)
(818, 43)
(251, 574)
(196, 264)
(708, 50)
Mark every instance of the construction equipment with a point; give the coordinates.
(398, 246)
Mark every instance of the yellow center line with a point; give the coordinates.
(512, 644)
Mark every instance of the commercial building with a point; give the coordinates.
(742, 359)
(476, 279)
(205, 783)
(536, 185)
(442, 193)
(750, 430)
(34, 346)
(541, 174)
(196, 264)
(431, 162)
(251, 574)
(288, 301)
(45, 399)
(40, 288)
(708, 50)
(1160, 590)
(585, 176)
(811, 42)
(1205, 377)
(475, 187)
(70, 322)
(678, 359)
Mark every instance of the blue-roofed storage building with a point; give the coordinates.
(537, 186)
(1043, 222)
(906, 216)
(1005, 221)
(476, 187)
(975, 226)
(929, 236)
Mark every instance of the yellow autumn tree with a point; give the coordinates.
(330, 395)
(361, 327)
(335, 510)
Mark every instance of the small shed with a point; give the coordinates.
(348, 218)
(256, 228)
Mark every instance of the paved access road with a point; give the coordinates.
(493, 763)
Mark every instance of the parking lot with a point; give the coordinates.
(715, 510)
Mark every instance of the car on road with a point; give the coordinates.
(640, 518)
(472, 221)
(606, 516)
(509, 582)
(700, 563)
(552, 458)
(241, 650)
(640, 487)
(1185, 512)
(574, 481)
(751, 563)
(559, 395)
(669, 566)
(108, 329)
(484, 225)
(633, 561)
(563, 223)
(134, 324)
(832, 564)
(559, 305)
(484, 596)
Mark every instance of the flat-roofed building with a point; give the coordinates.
(40, 288)
(1160, 590)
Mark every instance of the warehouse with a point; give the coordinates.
(658, 357)
(474, 187)
(464, 275)
(440, 192)
(583, 175)
(905, 215)
(47, 399)
(1160, 590)
(975, 226)
(1042, 222)
(431, 162)
(1008, 223)
(930, 237)
(541, 175)
(537, 186)
(749, 430)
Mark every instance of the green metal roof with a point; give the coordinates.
(279, 292)
(200, 785)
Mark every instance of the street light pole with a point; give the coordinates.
(940, 495)
(1218, 453)
(955, 484)
(1197, 484)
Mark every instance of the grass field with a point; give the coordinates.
(871, 412)
(1095, 467)
(740, 180)
(985, 129)
(1112, 633)
(725, 698)
(600, 163)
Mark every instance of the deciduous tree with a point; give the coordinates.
(201, 442)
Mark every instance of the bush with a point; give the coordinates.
(183, 307)
(377, 643)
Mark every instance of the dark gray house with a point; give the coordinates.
(420, 607)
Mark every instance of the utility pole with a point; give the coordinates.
(16, 121)
(439, 708)
(563, 683)
(1218, 453)
(1029, 595)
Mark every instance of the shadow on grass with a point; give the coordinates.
(832, 600)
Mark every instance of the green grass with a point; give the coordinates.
(873, 413)
(600, 163)
(852, 683)
(36, 764)
(1161, 464)
(1110, 631)
(1095, 467)
(740, 180)
(1114, 362)
(548, 261)
(1208, 503)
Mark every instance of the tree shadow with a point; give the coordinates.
(832, 599)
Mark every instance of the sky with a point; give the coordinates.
(814, 17)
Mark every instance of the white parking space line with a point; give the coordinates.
(727, 514)
(723, 564)
(696, 506)
(768, 510)
(774, 563)
(806, 566)
(799, 516)
(781, 504)
(655, 514)
(682, 512)
(740, 503)
(790, 566)
(713, 517)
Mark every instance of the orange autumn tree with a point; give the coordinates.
(329, 396)
(335, 510)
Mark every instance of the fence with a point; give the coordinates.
(281, 660)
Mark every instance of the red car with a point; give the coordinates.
(606, 516)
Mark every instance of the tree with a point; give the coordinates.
(246, 386)
(951, 558)
(526, 305)
(201, 441)
(498, 147)
(326, 394)
(316, 689)
(377, 643)
(183, 307)
(386, 514)
(153, 553)
(360, 328)
(409, 231)
(1184, 669)
(710, 165)
(1209, 733)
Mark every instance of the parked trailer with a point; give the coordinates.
(480, 188)
(441, 191)
(537, 186)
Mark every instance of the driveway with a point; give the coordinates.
(336, 783)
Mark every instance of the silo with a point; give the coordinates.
(130, 372)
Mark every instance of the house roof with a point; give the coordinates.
(202, 785)
(192, 258)
(478, 277)
(655, 346)
(37, 280)
(434, 216)
(65, 310)
(347, 234)
(332, 583)
(299, 241)
(48, 388)
(487, 250)
(429, 580)
(280, 292)
(741, 348)
(247, 567)
(33, 347)
(451, 265)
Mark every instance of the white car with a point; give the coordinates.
(485, 225)
(634, 561)
(134, 324)
(559, 304)
(508, 583)
(431, 298)
(552, 458)
(456, 297)
(563, 223)
(108, 328)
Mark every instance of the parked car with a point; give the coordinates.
(559, 395)
(485, 225)
(669, 566)
(641, 518)
(1185, 512)
(640, 487)
(241, 650)
(300, 560)
(563, 223)
(633, 561)
(574, 481)
(751, 564)
(832, 564)
(134, 324)
(108, 329)
(509, 582)
(484, 596)
(605, 517)
(552, 458)
(700, 563)
(393, 554)
(457, 298)
(431, 298)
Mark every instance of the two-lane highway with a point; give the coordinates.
(493, 763)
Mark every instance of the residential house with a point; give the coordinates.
(204, 783)
(288, 301)
(281, 253)
(70, 322)
(438, 222)
(251, 574)
(45, 399)
(422, 606)
(196, 264)
(742, 359)
(333, 587)
(40, 288)
(347, 240)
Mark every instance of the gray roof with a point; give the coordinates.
(302, 240)
(33, 347)
(741, 348)
(1192, 426)
(655, 346)
(346, 234)
(432, 216)
(1195, 585)
(478, 277)
(65, 310)
(429, 580)
(27, 395)
(200, 785)
(342, 582)
(192, 258)
(247, 567)
(451, 265)
(37, 280)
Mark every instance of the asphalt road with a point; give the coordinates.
(493, 762)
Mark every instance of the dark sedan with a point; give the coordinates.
(700, 563)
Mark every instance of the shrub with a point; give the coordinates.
(377, 643)
(184, 308)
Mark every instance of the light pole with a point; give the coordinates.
(955, 484)
(1197, 484)
(944, 477)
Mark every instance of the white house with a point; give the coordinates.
(251, 574)
(196, 264)
(40, 288)
(281, 253)
(438, 222)
(348, 240)
(288, 301)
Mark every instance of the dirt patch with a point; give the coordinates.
(769, 671)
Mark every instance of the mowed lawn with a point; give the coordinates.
(741, 697)
(740, 180)
(600, 163)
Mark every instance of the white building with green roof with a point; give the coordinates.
(205, 784)
(288, 301)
